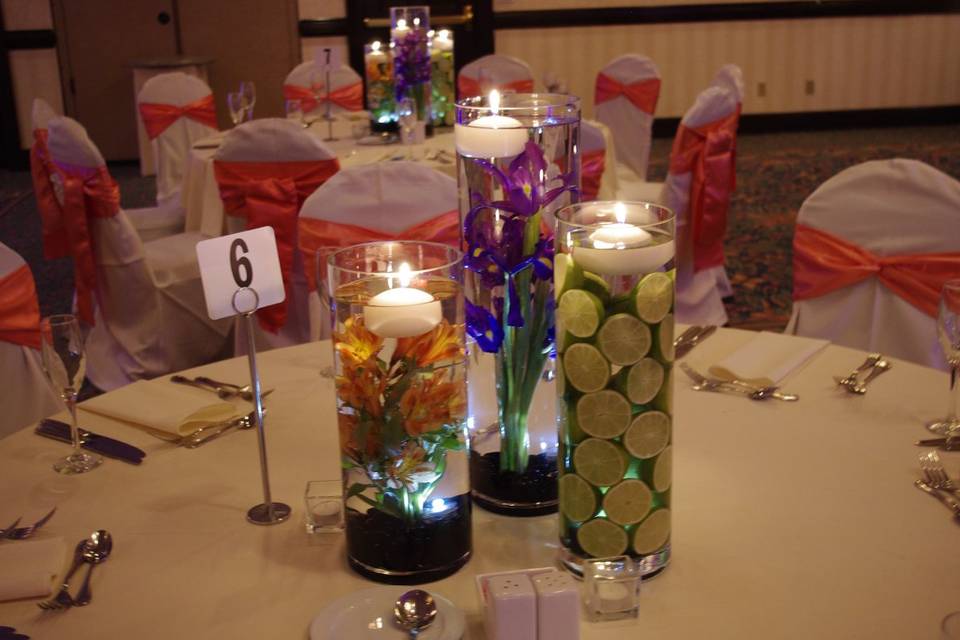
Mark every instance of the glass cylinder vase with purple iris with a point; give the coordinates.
(518, 162)
(411, 59)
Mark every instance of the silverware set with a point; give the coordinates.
(739, 387)
(874, 366)
(90, 551)
(938, 484)
(691, 338)
(13, 532)
(224, 390)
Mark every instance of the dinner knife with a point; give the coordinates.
(947, 444)
(686, 346)
(103, 445)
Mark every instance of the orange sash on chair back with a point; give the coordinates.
(642, 94)
(349, 96)
(271, 194)
(19, 309)
(157, 117)
(708, 153)
(591, 172)
(823, 263)
(88, 192)
(54, 238)
(318, 234)
(470, 87)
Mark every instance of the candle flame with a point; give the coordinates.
(443, 34)
(401, 23)
(494, 102)
(375, 45)
(403, 274)
(416, 22)
(620, 211)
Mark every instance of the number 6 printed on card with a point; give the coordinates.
(240, 272)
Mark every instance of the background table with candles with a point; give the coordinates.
(794, 520)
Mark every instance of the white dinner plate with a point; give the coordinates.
(368, 614)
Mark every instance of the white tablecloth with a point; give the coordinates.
(790, 520)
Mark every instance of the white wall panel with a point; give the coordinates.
(320, 9)
(309, 46)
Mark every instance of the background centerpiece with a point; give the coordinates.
(518, 161)
(399, 351)
(411, 61)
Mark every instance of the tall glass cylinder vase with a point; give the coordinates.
(399, 353)
(518, 162)
(378, 71)
(442, 77)
(614, 279)
(411, 60)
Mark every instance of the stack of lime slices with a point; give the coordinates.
(616, 357)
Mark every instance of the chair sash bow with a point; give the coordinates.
(157, 117)
(54, 238)
(469, 87)
(592, 164)
(823, 263)
(642, 94)
(708, 153)
(349, 96)
(271, 194)
(19, 310)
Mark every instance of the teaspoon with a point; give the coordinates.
(414, 611)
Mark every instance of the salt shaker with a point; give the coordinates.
(558, 606)
(511, 608)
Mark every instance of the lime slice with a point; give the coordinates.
(654, 297)
(664, 399)
(663, 470)
(597, 286)
(663, 340)
(652, 533)
(604, 414)
(628, 502)
(624, 339)
(642, 381)
(599, 462)
(585, 367)
(579, 312)
(573, 433)
(578, 500)
(567, 274)
(600, 538)
(647, 435)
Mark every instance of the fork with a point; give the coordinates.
(19, 533)
(703, 383)
(947, 501)
(853, 377)
(934, 473)
(62, 599)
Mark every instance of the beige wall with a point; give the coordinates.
(854, 63)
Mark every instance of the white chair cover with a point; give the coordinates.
(25, 395)
(275, 140)
(730, 76)
(151, 315)
(596, 139)
(171, 147)
(699, 295)
(300, 76)
(887, 207)
(494, 71)
(631, 127)
(41, 113)
(389, 197)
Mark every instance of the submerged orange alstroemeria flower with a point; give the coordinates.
(443, 342)
(349, 446)
(362, 386)
(431, 403)
(356, 344)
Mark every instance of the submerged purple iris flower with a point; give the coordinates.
(483, 327)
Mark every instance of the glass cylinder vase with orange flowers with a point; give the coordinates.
(398, 339)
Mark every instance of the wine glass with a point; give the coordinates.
(235, 103)
(249, 93)
(61, 346)
(948, 331)
(294, 111)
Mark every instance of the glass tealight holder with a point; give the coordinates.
(611, 588)
(323, 506)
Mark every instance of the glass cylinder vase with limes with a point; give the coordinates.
(614, 286)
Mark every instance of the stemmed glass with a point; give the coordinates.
(294, 110)
(249, 93)
(948, 331)
(65, 364)
(235, 104)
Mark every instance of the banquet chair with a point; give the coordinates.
(47, 205)
(177, 109)
(346, 89)
(265, 169)
(597, 167)
(625, 99)
(366, 203)
(730, 76)
(25, 395)
(700, 181)
(873, 246)
(494, 71)
(142, 303)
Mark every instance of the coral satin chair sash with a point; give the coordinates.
(349, 96)
(271, 194)
(157, 117)
(88, 192)
(54, 238)
(19, 310)
(322, 234)
(642, 94)
(823, 263)
(470, 87)
(708, 153)
(591, 171)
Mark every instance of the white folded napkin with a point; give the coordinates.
(163, 406)
(28, 568)
(767, 358)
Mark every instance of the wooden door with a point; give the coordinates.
(97, 39)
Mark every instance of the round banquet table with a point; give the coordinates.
(791, 520)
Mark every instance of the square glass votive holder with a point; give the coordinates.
(323, 502)
(611, 588)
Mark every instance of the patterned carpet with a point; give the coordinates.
(775, 173)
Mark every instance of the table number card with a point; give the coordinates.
(245, 260)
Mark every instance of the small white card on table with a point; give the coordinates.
(246, 261)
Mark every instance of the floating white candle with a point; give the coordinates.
(492, 136)
(402, 312)
(620, 248)
(442, 41)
